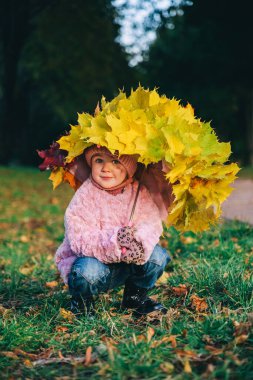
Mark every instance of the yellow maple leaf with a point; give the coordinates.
(57, 177)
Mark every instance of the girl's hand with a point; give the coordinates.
(125, 236)
(134, 253)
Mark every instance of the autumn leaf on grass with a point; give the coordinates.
(27, 269)
(242, 328)
(187, 353)
(24, 239)
(199, 304)
(187, 366)
(163, 279)
(68, 315)
(88, 356)
(52, 284)
(4, 312)
(104, 369)
(28, 363)
(167, 339)
(180, 290)
(187, 239)
(150, 334)
(9, 354)
(110, 343)
(213, 350)
(241, 339)
(61, 328)
(153, 317)
(164, 243)
(167, 367)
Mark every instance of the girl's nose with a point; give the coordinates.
(106, 167)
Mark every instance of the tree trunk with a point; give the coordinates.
(250, 127)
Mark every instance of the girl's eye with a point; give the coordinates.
(98, 160)
(115, 162)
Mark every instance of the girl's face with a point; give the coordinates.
(107, 171)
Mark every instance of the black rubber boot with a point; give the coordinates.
(136, 298)
(80, 306)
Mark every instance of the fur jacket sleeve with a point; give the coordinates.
(147, 224)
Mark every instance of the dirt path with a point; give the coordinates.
(239, 205)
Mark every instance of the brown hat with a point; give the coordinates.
(128, 161)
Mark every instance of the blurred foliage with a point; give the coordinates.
(202, 55)
(58, 59)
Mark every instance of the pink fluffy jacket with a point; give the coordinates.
(93, 218)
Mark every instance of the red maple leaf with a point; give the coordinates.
(53, 157)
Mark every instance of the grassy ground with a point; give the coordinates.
(207, 333)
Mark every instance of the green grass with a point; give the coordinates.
(215, 343)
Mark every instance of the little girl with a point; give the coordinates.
(101, 249)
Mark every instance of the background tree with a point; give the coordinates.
(58, 57)
(202, 55)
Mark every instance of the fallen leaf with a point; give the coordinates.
(167, 367)
(28, 363)
(150, 334)
(213, 350)
(110, 343)
(216, 243)
(187, 353)
(24, 239)
(4, 312)
(88, 356)
(163, 279)
(103, 370)
(172, 340)
(61, 328)
(241, 339)
(139, 338)
(113, 311)
(187, 240)
(187, 366)
(18, 351)
(26, 269)
(9, 354)
(52, 284)
(238, 248)
(242, 328)
(180, 290)
(154, 317)
(54, 201)
(199, 304)
(67, 314)
(60, 355)
(163, 243)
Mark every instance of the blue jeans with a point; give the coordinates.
(90, 276)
